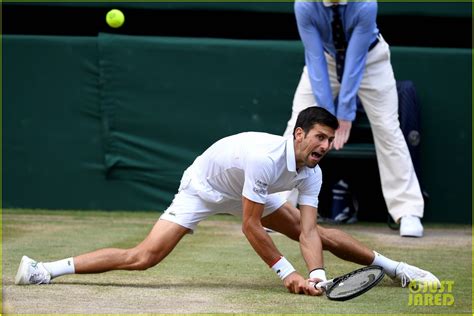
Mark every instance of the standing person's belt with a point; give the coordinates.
(374, 43)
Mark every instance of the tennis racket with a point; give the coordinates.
(352, 284)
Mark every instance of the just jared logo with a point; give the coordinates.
(429, 294)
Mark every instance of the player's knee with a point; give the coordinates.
(142, 260)
(327, 241)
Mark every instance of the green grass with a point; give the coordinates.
(212, 271)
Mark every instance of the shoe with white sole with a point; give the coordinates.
(410, 226)
(32, 272)
(407, 273)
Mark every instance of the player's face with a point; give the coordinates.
(311, 147)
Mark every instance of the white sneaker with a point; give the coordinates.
(407, 273)
(410, 226)
(32, 272)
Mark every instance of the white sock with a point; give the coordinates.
(60, 267)
(389, 266)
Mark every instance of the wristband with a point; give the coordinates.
(318, 273)
(283, 268)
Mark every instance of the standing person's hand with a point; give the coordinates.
(296, 284)
(342, 134)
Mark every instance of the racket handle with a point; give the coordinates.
(323, 285)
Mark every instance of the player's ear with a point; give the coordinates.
(299, 134)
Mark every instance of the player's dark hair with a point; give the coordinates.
(315, 115)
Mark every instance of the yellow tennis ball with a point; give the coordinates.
(115, 18)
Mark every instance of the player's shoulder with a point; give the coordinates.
(260, 139)
(249, 138)
(315, 174)
(316, 170)
(252, 143)
(265, 147)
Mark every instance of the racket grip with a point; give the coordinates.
(322, 285)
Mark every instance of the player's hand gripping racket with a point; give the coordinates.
(352, 284)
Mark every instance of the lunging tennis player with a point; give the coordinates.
(242, 175)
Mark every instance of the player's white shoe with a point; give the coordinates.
(32, 272)
(407, 273)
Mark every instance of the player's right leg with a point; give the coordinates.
(157, 245)
(162, 239)
(182, 217)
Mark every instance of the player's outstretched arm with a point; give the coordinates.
(266, 249)
(310, 241)
(255, 233)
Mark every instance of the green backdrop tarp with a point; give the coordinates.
(164, 100)
(52, 151)
(110, 122)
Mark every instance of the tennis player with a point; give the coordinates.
(241, 175)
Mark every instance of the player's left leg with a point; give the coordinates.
(286, 220)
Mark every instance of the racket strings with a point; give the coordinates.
(355, 283)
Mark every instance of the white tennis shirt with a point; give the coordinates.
(252, 165)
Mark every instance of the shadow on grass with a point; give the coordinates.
(386, 283)
(197, 285)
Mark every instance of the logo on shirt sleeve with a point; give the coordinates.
(260, 187)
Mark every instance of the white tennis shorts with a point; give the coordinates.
(190, 206)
